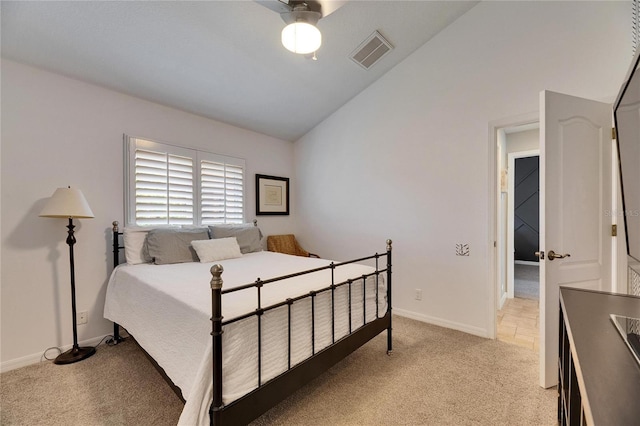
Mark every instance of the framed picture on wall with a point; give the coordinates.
(272, 195)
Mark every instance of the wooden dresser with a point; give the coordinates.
(599, 378)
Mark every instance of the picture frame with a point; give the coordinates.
(272, 195)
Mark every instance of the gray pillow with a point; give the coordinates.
(249, 236)
(174, 245)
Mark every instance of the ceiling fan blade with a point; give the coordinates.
(330, 6)
(325, 7)
(278, 6)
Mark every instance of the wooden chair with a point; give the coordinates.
(287, 244)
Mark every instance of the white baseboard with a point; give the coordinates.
(24, 361)
(476, 331)
(502, 300)
(35, 358)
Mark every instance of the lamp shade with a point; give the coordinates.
(67, 203)
(301, 37)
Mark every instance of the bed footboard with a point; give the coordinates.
(267, 395)
(216, 408)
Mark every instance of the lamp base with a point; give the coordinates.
(74, 354)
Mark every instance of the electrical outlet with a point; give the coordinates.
(82, 317)
(418, 294)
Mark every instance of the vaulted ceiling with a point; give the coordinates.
(218, 59)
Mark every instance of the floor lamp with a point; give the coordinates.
(70, 203)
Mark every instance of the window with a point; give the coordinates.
(163, 185)
(221, 189)
(169, 185)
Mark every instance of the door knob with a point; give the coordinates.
(553, 255)
(540, 254)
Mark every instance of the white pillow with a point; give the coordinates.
(217, 249)
(134, 237)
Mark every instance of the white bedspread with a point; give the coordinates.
(168, 308)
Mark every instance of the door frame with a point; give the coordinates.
(493, 188)
(511, 161)
(493, 259)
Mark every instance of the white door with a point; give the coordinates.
(575, 194)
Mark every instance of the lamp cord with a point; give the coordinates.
(107, 340)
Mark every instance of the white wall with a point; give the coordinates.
(56, 132)
(527, 140)
(409, 158)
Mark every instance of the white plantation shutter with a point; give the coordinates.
(168, 185)
(164, 188)
(635, 25)
(222, 189)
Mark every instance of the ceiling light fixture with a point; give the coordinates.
(301, 34)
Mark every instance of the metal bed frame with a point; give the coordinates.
(268, 394)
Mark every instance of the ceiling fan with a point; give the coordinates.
(301, 16)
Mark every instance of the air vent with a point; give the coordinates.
(371, 50)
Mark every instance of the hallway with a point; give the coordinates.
(518, 323)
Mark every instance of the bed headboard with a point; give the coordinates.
(116, 243)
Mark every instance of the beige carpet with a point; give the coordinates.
(435, 376)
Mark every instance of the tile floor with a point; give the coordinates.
(518, 322)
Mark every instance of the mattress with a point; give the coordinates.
(167, 308)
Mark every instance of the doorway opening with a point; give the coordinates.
(576, 191)
(523, 221)
(518, 313)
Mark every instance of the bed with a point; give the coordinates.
(238, 346)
